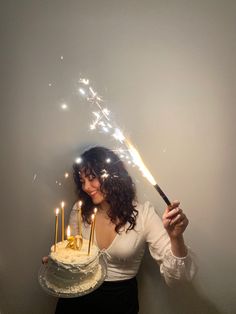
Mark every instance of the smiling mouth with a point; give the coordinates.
(92, 194)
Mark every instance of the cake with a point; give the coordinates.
(73, 271)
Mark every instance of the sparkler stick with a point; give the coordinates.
(138, 161)
(104, 123)
(162, 194)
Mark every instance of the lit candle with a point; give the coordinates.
(62, 221)
(56, 230)
(72, 241)
(80, 219)
(94, 222)
(91, 233)
(68, 232)
(79, 237)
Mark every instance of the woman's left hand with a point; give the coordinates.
(174, 220)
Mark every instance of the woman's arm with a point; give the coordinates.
(166, 243)
(175, 222)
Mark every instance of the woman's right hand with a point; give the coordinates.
(44, 259)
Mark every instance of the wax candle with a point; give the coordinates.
(56, 230)
(94, 222)
(62, 221)
(80, 218)
(91, 234)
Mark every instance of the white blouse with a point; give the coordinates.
(125, 253)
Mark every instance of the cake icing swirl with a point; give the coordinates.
(71, 271)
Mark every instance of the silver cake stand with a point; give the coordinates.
(44, 274)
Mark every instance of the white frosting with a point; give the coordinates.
(72, 271)
(73, 258)
(77, 287)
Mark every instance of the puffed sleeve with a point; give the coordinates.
(73, 222)
(171, 267)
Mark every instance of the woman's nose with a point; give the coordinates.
(86, 185)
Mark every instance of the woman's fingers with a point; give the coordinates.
(174, 220)
(174, 205)
(171, 214)
(178, 219)
(182, 224)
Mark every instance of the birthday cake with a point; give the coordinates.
(73, 271)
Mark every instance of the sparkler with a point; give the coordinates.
(147, 174)
(104, 123)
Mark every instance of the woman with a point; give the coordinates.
(123, 227)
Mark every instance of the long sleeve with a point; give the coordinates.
(125, 253)
(171, 267)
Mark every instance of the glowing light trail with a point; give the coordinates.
(104, 123)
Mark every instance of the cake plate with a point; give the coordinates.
(44, 272)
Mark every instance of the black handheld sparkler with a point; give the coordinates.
(104, 122)
(162, 194)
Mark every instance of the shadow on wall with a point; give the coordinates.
(155, 297)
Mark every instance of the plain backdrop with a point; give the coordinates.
(166, 70)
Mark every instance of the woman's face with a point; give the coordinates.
(91, 186)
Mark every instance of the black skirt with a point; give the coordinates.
(112, 297)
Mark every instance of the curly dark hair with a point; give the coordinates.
(116, 185)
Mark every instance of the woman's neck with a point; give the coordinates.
(104, 207)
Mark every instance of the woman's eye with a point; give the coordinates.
(91, 177)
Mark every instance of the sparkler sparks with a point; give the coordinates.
(35, 176)
(104, 174)
(64, 106)
(78, 160)
(104, 123)
(137, 160)
(118, 135)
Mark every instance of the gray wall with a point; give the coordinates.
(167, 71)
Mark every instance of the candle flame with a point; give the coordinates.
(62, 204)
(80, 204)
(92, 217)
(68, 232)
(139, 162)
(57, 211)
(95, 210)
